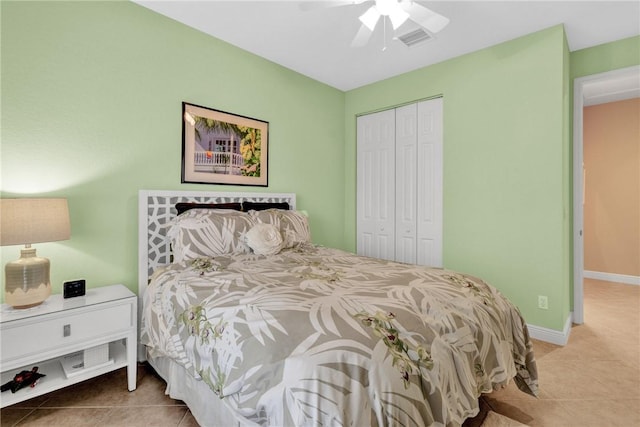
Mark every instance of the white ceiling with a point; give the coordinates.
(316, 43)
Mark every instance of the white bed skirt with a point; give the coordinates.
(206, 407)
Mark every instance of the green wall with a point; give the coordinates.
(505, 166)
(91, 97)
(605, 57)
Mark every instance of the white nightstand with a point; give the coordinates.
(41, 336)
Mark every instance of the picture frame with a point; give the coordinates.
(223, 148)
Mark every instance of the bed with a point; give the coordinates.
(249, 323)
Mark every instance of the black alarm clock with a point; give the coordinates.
(73, 288)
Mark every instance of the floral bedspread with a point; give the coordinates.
(318, 336)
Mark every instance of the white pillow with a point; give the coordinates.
(264, 239)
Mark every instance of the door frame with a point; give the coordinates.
(610, 86)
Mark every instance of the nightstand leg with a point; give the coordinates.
(132, 365)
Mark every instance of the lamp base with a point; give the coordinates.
(23, 307)
(27, 280)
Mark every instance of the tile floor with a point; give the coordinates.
(593, 381)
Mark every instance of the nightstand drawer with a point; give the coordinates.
(62, 331)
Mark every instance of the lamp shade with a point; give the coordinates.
(26, 221)
(23, 222)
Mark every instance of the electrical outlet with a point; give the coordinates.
(543, 302)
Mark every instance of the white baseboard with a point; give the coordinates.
(612, 277)
(551, 335)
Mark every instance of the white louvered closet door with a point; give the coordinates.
(400, 180)
(375, 180)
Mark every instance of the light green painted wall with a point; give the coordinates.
(605, 57)
(567, 181)
(505, 165)
(91, 97)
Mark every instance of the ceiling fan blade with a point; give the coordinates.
(370, 18)
(314, 5)
(424, 17)
(362, 36)
(398, 17)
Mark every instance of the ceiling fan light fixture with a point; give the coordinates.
(386, 7)
(370, 18)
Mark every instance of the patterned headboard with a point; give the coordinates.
(157, 208)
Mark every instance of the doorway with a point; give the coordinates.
(590, 90)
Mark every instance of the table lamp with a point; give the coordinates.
(23, 222)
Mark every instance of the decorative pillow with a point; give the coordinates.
(264, 239)
(209, 233)
(185, 206)
(261, 206)
(293, 225)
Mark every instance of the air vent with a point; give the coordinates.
(414, 37)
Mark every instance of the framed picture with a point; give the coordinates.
(223, 148)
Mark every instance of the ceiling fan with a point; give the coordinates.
(398, 12)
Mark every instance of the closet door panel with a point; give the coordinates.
(375, 180)
(430, 183)
(400, 179)
(406, 185)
